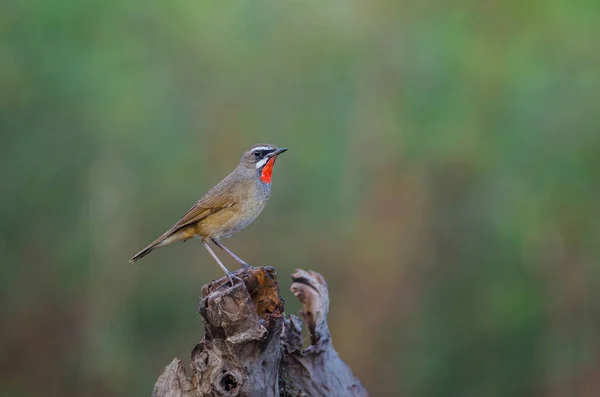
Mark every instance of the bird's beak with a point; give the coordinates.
(277, 152)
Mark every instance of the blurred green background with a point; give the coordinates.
(443, 175)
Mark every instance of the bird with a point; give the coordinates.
(227, 208)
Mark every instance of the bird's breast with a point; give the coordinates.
(249, 204)
(253, 204)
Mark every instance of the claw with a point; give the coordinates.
(233, 276)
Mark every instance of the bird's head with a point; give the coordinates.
(261, 158)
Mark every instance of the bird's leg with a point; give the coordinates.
(229, 274)
(234, 256)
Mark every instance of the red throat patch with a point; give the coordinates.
(267, 170)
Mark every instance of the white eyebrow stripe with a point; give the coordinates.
(263, 148)
(262, 162)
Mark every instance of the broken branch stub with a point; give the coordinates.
(240, 352)
(316, 370)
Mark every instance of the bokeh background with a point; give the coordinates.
(443, 175)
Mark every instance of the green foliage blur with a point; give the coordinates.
(443, 175)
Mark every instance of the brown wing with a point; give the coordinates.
(204, 207)
(209, 204)
(219, 198)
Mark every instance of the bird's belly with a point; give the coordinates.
(227, 222)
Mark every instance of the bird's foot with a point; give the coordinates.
(232, 276)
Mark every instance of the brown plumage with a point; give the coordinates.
(228, 207)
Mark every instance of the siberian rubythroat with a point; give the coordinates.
(228, 207)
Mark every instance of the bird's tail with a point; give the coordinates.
(167, 238)
(142, 253)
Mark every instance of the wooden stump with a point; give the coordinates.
(249, 349)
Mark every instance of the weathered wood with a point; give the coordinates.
(173, 382)
(317, 370)
(247, 349)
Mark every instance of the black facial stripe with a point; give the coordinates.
(262, 153)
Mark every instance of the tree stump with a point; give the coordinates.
(251, 349)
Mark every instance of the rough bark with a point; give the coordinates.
(249, 349)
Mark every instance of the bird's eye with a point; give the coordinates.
(256, 153)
